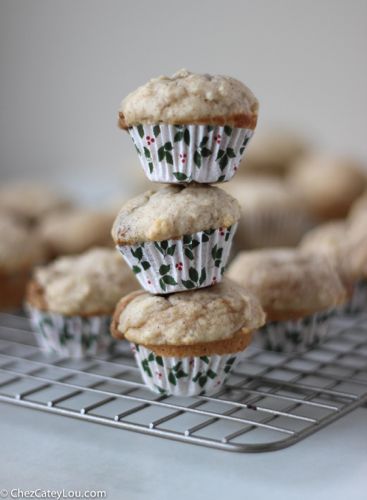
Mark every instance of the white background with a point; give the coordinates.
(66, 65)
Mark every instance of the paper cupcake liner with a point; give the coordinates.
(71, 336)
(358, 300)
(189, 153)
(293, 336)
(193, 261)
(272, 229)
(188, 376)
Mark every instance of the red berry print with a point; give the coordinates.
(159, 375)
(149, 282)
(222, 231)
(183, 157)
(217, 138)
(149, 140)
(179, 266)
(214, 280)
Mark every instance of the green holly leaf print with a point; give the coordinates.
(161, 153)
(181, 374)
(209, 128)
(180, 176)
(202, 380)
(140, 129)
(202, 276)
(178, 136)
(147, 153)
(197, 376)
(194, 243)
(189, 254)
(228, 130)
(151, 356)
(159, 360)
(168, 280)
(162, 284)
(205, 359)
(164, 269)
(214, 251)
(172, 378)
(136, 269)
(164, 244)
(177, 366)
(219, 253)
(204, 238)
(168, 146)
(211, 374)
(187, 137)
(145, 264)
(138, 253)
(217, 263)
(187, 239)
(171, 250)
(220, 154)
(203, 141)
(156, 130)
(188, 284)
(205, 152)
(158, 247)
(197, 159)
(169, 158)
(209, 231)
(223, 162)
(151, 167)
(221, 178)
(230, 153)
(194, 275)
(146, 368)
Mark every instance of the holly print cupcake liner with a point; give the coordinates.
(294, 336)
(71, 336)
(194, 261)
(175, 154)
(189, 376)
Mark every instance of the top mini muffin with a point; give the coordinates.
(190, 98)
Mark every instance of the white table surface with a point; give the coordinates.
(39, 450)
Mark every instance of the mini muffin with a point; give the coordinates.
(70, 301)
(177, 238)
(31, 202)
(327, 185)
(345, 245)
(270, 215)
(190, 127)
(296, 291)
(273, 153)
(20, 249)
(76, 230)
(187, 343)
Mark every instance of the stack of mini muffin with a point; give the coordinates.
(189, 130)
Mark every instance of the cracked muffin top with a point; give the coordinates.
(190, 98)
(186, 318)
(87, 284)
(172, 212)
(289, 284)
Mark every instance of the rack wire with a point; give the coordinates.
(272, 400)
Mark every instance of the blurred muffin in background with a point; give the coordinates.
(359, 207)
(20, 249)
(327, 185)
(270, 215)
(76, 230)
(273, 153)
(31, 201)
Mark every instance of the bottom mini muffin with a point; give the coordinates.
(189, 375)
(72, 336)
(70, 301)
(187, 343)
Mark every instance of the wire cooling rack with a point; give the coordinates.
(271, 401)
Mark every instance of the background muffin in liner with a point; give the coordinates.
(187, 343)
(190, 127)
(296, 291)
(70, 301)
(177, 238)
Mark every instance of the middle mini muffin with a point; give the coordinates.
(177, 238)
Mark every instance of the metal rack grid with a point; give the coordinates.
(271, 401)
